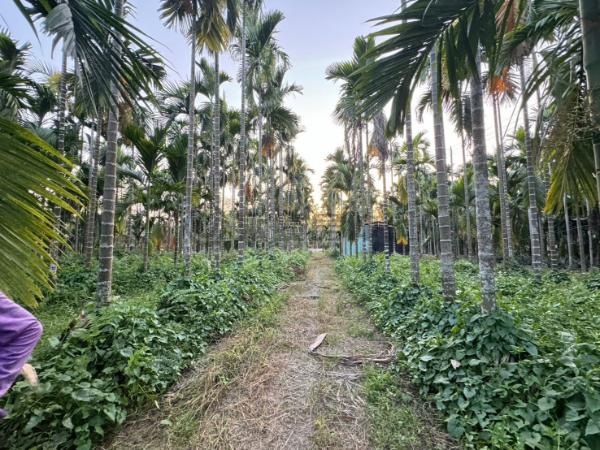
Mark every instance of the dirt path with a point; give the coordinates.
(302, 401)
(260, 389)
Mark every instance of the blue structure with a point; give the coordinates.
(376, 231)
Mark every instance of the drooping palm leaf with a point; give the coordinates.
(106, 47)
(34, 178)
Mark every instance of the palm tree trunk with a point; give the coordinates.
(467, 195)
(384, 207)
(242, 157)
(90, 224)
(280, 210)
(216, 163)
(504, 212)
(107, 228)
(580, 240)
(568, 232)
(361, 190)
(446, 255)
(62, 110)
(147, 228)
(590, 25)
(369, 196)
(259, 199)
(413, 238)
(482, 200)
(534, 231)
(589, 233)
(191, 153)
(508, 221)
(177, 236)
(552, 249)
(271, 202)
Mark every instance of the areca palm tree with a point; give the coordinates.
(150, 151)
(184, 13)
(402, 57)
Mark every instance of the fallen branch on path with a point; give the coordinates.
(385, 357)
(315, 345)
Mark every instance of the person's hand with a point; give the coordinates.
(30, 374)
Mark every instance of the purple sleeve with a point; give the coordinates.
(19, 334)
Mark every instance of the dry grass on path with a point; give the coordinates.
(260, 389)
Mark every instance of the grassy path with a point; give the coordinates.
(260, 389)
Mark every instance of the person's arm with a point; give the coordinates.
(19, 334)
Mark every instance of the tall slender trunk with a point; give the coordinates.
(590, 26)
(216, 169)
(90, 225)
(413, 238)
(107, 228)
(505, 225)
(446, 255)
(368, 202)
(482, 200)
(271, 202)
(61, 113)
(222, 218)
(260, 201)
(191, 153)
(333, 222)
(552, 250)
(568, 232)
(177, 236)
(580, 240)
(242, 149)
(534, 231)
(280, 209)
(589, 233)
(384, 207)
(147, 227)
(467, 195)
(361, 190)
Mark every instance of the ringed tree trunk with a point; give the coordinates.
(534, 230)
(485, 248)
(446, 254)
(384, 207)
(242, 149)
(505, 225)
(61, 113)
(590, 26)
(90, 225)
(107, 228)
(589, 233)
(271, 202)
(580, 240)
(552, 250)
(191, 153)
(568, 232)
(362, 193)
(369, 205)
(147, 226)
(280, 209)
(216, 162)
(413, 238)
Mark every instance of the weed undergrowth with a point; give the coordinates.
(127, 354)
(525, 376)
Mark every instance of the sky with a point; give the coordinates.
(315, 34)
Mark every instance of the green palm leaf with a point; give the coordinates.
(34, 177)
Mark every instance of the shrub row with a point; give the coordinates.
(502, 380)
(126, 355)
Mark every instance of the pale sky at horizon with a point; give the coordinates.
(315, 34)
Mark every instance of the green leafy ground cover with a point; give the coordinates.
(129, 353)
(527, 376)
(76, 288)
